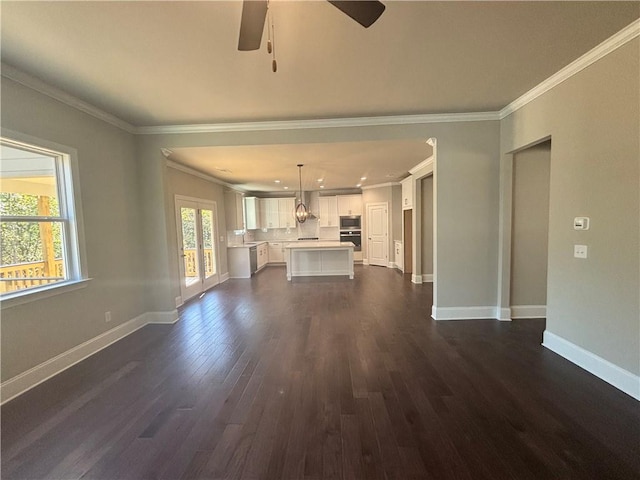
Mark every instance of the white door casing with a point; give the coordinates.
(198, 255)
(378, 234)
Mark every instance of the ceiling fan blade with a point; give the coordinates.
(365, 12)
(254, 13)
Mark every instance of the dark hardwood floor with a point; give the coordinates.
(266, 379)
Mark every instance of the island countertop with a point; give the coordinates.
(319, 245)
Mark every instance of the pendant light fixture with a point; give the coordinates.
(301, 209)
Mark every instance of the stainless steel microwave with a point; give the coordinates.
(351, 222)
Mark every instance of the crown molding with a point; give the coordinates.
(380, 185)
(38, 85)
(319, 123)
(609, 45)
(199, 174)
(425, 163)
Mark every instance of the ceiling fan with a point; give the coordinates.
(254, 13)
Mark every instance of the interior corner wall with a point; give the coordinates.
(36, 332)
(593, 119)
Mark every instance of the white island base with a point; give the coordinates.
(316, 259)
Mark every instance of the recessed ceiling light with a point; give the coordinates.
(363, 178)
(277, 181)
(286, 188)
(359, 185)
(321, 186)
(321, 180)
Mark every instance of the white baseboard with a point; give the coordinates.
(416, 278)
(620, 378)
(503, 314)
(463, 313)
(34, 376)
(427, 278)
(365, 261)
(391, 265)
(528, 311)
(224, 277)
(170, 317)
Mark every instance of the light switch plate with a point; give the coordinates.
(581, 223)
(580, 251)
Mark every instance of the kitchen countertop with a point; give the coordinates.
(248, 244)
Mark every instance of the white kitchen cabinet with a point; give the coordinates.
(286, 209)
(328, 210)
(277, 212)
(349, 205)
(276, 252)
(263, 254)
(252, 213)
(269, 213)
(234, 210)
(407, 193)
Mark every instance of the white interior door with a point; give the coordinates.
(196, 223)
(377, 234)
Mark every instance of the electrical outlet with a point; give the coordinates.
(107, 317)
(580, 251)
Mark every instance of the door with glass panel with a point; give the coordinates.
(196, 224)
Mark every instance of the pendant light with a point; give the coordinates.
(301, 212)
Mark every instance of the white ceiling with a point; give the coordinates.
(177, 63)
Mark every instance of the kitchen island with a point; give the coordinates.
(319, 258)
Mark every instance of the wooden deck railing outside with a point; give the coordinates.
(190, 262)
(32, 274)
(26, 275)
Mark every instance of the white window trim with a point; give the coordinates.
(68, 177)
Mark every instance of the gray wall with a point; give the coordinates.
(593, 121)
(35, 332)
(396, 215)
(427, 225)
(530, 225)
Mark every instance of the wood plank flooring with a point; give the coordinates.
(323, 379)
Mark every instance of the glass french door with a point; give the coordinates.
(196, 224)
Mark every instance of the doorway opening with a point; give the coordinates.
(530, 231)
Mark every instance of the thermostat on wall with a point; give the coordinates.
(581, 223)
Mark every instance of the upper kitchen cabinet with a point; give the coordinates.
(328, 211)
(234, 210)
(407, 193)
(277, 212)
(349, 205)
(269, 215)
(287, 207)
(252, 213)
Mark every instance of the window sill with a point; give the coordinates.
(32, 295)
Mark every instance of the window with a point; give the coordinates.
(39, 234)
